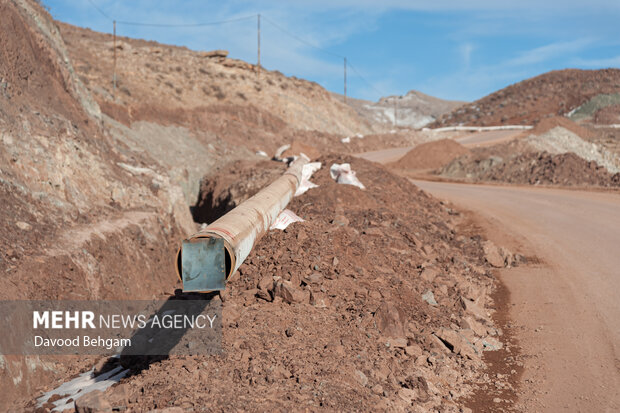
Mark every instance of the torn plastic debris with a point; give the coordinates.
(286, 218)
(348, 138)
(343, 174)
(306, 172)
(262, 153)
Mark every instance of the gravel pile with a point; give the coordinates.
(559, 140)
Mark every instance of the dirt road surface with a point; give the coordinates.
(487, 138)
(566, 309)
(468, 140)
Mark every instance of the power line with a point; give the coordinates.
(299, 39)
(214, 23)
(220, 22)
(100, 11)
(346, 61)
(381, 93)
(130, 23)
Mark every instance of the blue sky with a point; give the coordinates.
(453, 49)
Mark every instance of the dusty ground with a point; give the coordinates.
(564, 309)
(384, 299)
(330, 314)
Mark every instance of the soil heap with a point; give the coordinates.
(378, 301)
(534, 168)
(431, 155)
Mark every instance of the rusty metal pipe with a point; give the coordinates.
(242, 227)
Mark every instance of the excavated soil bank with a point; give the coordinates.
(376, 302)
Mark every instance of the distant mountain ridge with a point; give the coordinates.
(413, 110)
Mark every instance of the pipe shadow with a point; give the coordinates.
(151, 345)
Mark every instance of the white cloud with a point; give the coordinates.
(547, 52)
(466, 49)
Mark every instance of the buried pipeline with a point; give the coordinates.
(208, 258)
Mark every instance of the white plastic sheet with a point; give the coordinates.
(306, 173)
(343, 174)
(286, 218)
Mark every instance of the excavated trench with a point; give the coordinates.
(230, 185)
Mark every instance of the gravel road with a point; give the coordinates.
(566, 309)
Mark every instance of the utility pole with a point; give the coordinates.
(114, 66)
(345, 80)
(258, 38)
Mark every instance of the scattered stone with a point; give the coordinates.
(491, 344)
(413, 351)
(215, 53)
(264, 295)
(319, 299)
(457, 343)
(429, 274)
(408, 395)
(429, 297)
(397, 342)
(492, 254)
(290, 294)
(266, 283)
(23, 225)
(468, 322)
(92, 402)
(474, 309)
(389, 320)
(340, 220)
(119, 396)
(361, 378)
(314, 278)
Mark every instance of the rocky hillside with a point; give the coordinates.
(550, 94)
(74, 200)
(413, 110)
(153, 76)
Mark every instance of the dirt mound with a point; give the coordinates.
(547, 124)
(560, 140)
(431, 155)
(228, 186)
(550, 94)
(378, 301)
(534, 168)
